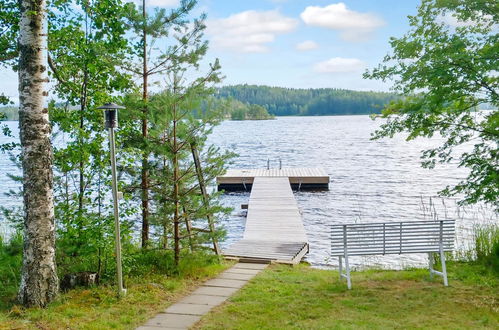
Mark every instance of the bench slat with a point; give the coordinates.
(380, 252)
(393, 237)
(394, 223)
(394, 229)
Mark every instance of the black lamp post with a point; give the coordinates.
(111, 115)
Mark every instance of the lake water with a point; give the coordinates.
(370, 180)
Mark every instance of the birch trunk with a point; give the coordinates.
(39, 282)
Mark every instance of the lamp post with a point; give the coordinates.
(111, 116)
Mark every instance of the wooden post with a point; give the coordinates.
(202, 186)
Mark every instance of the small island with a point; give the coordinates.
(245, 111)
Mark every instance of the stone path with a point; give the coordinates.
(187, 311)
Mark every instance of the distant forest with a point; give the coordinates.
(281, 101)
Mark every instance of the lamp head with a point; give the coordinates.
(111, 114)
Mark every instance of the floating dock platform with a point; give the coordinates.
(299, 178)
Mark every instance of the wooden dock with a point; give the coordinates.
(274, 230)
(299, 178)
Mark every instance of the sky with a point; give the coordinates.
(304, 43)
(294, 43)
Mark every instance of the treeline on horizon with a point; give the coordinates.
(280, 101)
(263, 102)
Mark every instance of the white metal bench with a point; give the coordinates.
(392, 238)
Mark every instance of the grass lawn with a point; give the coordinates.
(98, 308)
(283, 297)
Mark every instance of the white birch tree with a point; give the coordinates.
(39, 282)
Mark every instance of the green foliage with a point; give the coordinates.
(238, 110)
(88, 49)
(257, 112)
(9, 25)
(280, 101)
(179, 122)
(446, 73)
(176, 121)
(10, 265)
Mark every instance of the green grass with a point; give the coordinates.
(152, 281)
(98, 307)
(305, 298)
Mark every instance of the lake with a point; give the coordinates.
(370, 180)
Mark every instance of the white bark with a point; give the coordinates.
(39, 282)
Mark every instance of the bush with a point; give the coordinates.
(142, 262)
(162, 262)
(10, 268)
(137, 263)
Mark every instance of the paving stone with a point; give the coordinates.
(215, 291)
(167, 320)
(188, 309)
(243, 271)
(250, 266)
(203, 299)
(158, 327)
(225, 283)
(236, 276)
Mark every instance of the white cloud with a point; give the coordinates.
(157, 3)
(307, 45)
(340, 65)
(453, 21)
(353, 26)
(249, 31)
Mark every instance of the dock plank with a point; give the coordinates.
(274, 229)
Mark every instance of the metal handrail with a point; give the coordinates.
(280, 163)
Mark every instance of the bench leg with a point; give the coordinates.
(444, 268)
(347, 267)
(430, 264)
(340, 266)
(443, 273)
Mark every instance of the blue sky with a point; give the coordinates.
(294, 43)
(304, 43)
